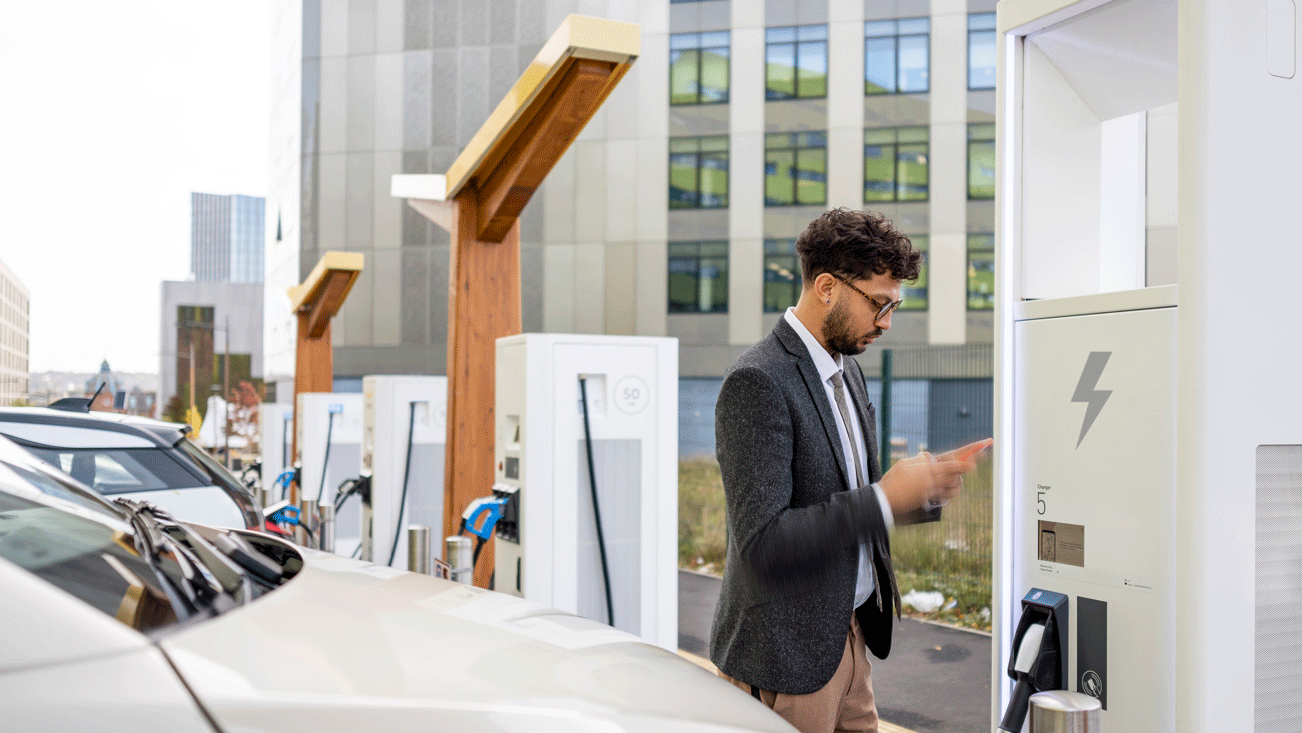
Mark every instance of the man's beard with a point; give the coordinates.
(837, 334)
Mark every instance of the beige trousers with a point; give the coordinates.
(844, 704)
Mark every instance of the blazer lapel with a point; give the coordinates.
(817, 392)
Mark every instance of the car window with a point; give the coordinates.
(117, 471)
(90, 560)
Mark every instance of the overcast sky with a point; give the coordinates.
(112, 113)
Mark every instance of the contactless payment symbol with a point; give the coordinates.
(1091, 684)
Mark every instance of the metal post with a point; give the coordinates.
(418, 549)
(325, 528)
(1060, 711)
(460, 557)
(884, 409)
(307, 523)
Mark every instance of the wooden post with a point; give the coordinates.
(483, 306)
(316, 301)
(479, 201)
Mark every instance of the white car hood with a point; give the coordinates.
(349, 646)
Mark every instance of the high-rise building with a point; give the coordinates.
(220, 310)
(226, 238)
(676, 210)
(15, 332)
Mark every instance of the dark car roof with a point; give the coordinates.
(164, 434)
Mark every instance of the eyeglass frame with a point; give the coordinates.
(883, 310)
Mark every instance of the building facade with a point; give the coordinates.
(676, 210)
(15, 334)
(226, 237)
(201, 323)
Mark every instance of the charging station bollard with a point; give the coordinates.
(305, 532)
(418, 549)
(460, 557)
(1060, 711)
(325, 528)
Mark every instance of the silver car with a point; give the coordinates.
(119, 618)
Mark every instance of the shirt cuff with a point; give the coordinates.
(888, 516)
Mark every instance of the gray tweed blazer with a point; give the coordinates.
(794, 525)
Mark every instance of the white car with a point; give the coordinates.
(135, 458)
(117, 618)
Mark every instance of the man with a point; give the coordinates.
(809, 581)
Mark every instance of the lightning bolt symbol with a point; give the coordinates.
(1085, 392)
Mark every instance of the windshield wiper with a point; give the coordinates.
(200, 589)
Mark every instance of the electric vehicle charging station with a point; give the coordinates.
(277, 423)
(1148, 450)
(547, 548)
(404, 436)
(331, 421)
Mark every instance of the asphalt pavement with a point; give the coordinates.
(936, 680)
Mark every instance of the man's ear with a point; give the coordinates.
(823, 285)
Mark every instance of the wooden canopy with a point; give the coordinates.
(479, 201)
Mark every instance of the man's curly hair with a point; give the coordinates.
(856, 245)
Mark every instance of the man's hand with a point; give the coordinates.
(927, 480)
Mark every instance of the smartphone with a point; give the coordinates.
(971, 453)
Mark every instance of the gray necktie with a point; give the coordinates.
(839, 390)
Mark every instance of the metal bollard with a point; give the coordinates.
(418, 549)
(1060, 711)
(325, 527)
(460, 557)
(305, 532)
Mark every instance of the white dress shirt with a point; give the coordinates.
(828, 366)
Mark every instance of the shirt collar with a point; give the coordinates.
(823, 361)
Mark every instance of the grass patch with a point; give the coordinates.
(952, 556)
(702, 517)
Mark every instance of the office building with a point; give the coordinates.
(15, 332)
(676, 210)
(226, 238)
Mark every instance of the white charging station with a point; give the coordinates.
(546, 546)
(277, 423)
(1148, 446)
(404, 435)
(334, 418)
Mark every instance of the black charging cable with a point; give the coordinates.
(596, 511)
(406, 477)
(330, 428)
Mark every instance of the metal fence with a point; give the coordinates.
(935, 398)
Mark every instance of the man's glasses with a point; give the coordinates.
(883, 309)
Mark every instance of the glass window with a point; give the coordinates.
(782, 276)
(698, 68)
(897, 56)
(914, 294)
(896, 164)
(116, 471)
(980, 271)
(795, 168)
(698, 172)
(981, 161)
(795, 60)
(981, 46)
(698, 277)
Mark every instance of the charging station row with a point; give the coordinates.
(586, 480)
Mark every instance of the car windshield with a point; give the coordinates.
(214, 470)
(119, 470)
(93, 559)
